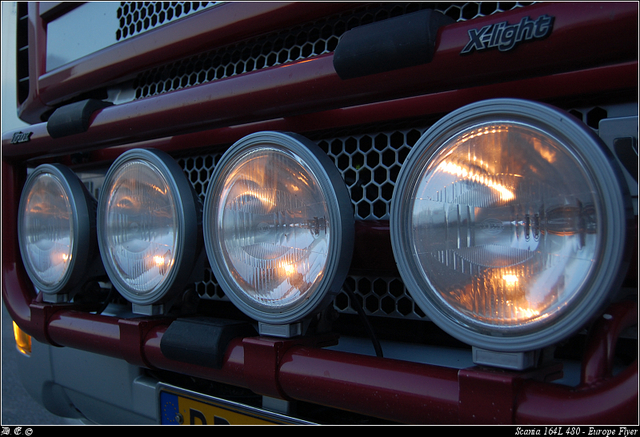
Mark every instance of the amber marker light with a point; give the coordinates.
(23, 340)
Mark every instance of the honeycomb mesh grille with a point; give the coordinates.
(138, 17)
(369, 164)
(290, 45)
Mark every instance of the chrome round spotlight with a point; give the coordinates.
(278, 227)
(509, 224)
(149, 228)
(56, 231)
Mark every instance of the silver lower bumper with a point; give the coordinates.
(83, 385)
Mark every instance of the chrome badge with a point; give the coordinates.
(21, 137)
(504, 36)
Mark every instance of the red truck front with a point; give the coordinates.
(344, 213)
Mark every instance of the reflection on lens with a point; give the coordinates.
(508, 224)
(504, 225)
(46, 230)
(273, 228)
(278, 229)
(140, 225)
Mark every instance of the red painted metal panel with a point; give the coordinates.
(585, 35)
(613, 401)
(209, 106)
(207, 30)
(385, 388)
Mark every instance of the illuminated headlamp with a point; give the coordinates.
(56, 231)
(508, 225)
(148, 229)
(278, 227)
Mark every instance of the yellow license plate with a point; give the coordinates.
(184, 407)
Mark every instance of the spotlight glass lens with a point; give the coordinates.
(46, 232)
(278, 227)
(140, 226)
(504, 221)
(273, 228)
(508, 224)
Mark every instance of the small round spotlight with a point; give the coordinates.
(278, 227)
(509, 224)
(148, 228)
(56, 230)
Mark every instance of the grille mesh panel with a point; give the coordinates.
(290, 45)
(138, 17)
(370, 164)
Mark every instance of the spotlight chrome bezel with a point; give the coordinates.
(188, 211)
(341, 223)
(613, 209)
(83, 224)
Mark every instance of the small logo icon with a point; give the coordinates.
(21, 137)
(505, 36)
(491, 226)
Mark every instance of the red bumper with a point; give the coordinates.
(386, 388)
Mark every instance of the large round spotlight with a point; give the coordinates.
(508, 224)
(56, 231)
(149, 228)
(278, 227)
